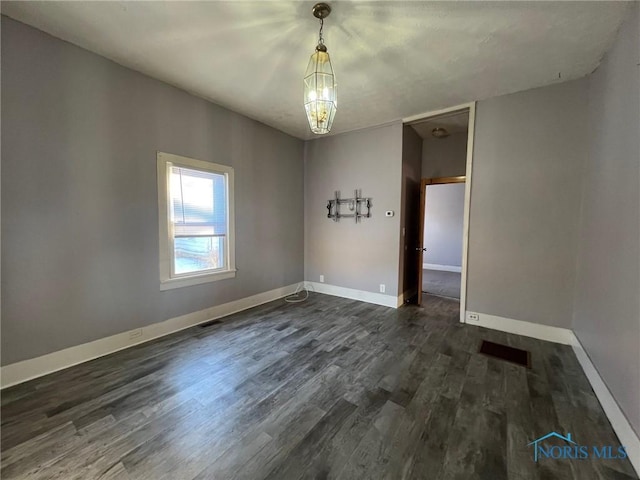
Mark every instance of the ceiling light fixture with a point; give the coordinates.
(320, 95)
(440, 132)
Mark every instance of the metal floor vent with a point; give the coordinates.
(505, 352)
(208, 324)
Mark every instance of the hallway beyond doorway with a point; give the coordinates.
(443, 284)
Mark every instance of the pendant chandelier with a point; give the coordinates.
(320, 95)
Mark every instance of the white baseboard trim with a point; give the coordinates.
(627, 436)
(52, 362)
(442, 268)
(528, 329)
(363, 296)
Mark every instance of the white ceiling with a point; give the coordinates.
(453, 123)
(392, 59)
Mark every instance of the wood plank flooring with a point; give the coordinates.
(326, 389)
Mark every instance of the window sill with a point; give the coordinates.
(171, 283)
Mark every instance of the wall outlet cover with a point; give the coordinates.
(473, 317)
(321, 278)
(382, 288)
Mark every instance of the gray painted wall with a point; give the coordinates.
(444, 224)
(79, 196)
(528, 159)
(358, 256)
(410, 211)
(607, 301)
(444, 157)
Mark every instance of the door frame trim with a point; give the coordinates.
(471, 108)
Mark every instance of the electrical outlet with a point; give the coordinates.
(321, 278)
(135, 334)
(473, 317)
(382, 288)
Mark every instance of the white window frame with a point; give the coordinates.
(167, 280)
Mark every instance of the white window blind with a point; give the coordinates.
(199, 203)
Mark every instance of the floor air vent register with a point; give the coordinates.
(507, 353)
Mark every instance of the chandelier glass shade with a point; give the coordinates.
(320, 92)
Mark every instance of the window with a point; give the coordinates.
(196, 221)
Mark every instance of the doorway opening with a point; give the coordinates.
(443, 224)
(445, 192)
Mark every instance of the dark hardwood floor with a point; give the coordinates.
(328, 388)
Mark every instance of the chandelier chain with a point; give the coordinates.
(321, 39)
